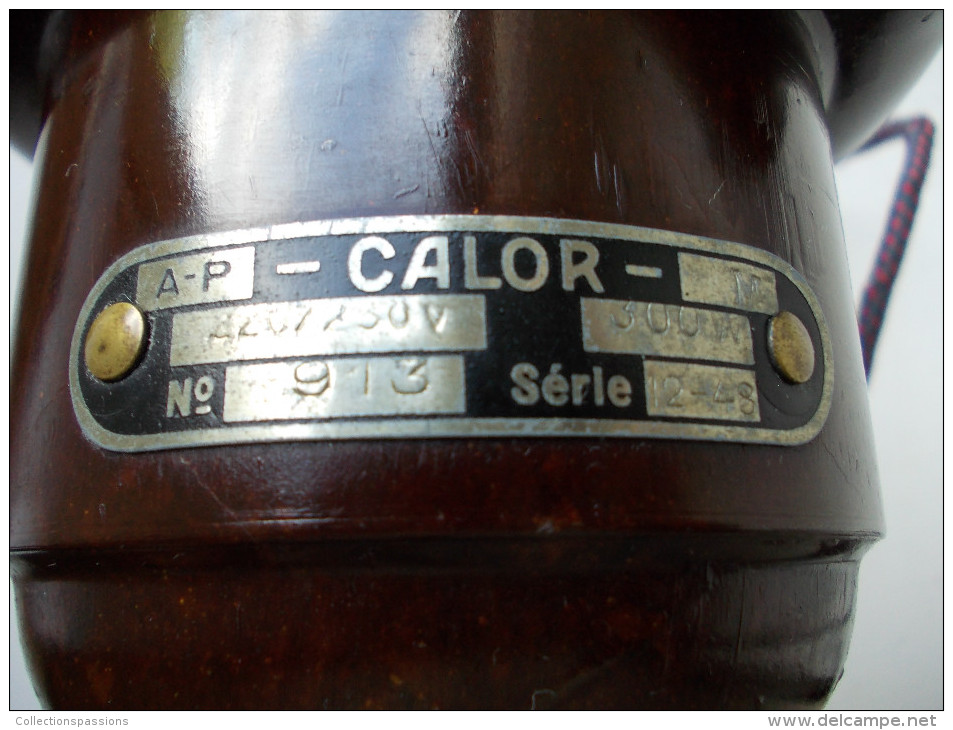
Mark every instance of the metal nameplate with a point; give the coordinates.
(450, 326)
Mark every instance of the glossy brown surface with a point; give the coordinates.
(866, 61)
(585, 623)
(171, 124)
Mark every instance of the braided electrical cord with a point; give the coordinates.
(918, 134)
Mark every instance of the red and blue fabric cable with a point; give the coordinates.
(918, 134)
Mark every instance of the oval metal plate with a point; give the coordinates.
(451, 326)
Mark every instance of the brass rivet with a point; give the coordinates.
(115, 341)
(790, 347)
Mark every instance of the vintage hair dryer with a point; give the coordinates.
(458, 360)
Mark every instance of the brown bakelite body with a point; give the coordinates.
(452, 573)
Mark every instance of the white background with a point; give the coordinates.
(895, 660)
